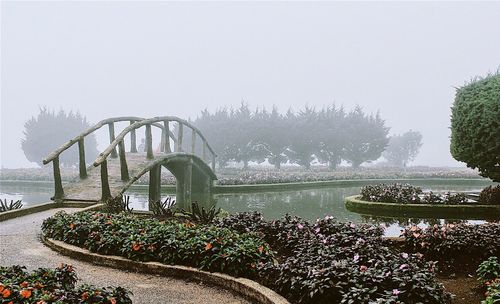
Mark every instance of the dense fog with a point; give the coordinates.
(402, 60)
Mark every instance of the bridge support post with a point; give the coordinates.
(133, 140)
(59, 192)
(149, 142)
(83, 165)
(106, 193)
(154, 184)
(112, 138)
(184, 187)
(123, 162)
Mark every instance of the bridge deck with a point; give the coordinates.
(89, 189)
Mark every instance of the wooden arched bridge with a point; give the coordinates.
(113, 172)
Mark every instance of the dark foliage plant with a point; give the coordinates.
(490, 195)
(450, 243)
(13, 205)
(43, 286)
(475, 126)
(408, 194)
(391, 193)
(334, 262)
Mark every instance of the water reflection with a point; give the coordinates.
(308, 204)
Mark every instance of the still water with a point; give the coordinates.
(309, 204)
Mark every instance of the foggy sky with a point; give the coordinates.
(163, 58)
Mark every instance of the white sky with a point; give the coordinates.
(146, 59)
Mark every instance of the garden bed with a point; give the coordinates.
(471, 211)
(326, 261)
(58, 285)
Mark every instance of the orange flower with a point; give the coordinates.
(25, 293)
(208, 246)
(71, 226)
(1, 287)
(136, 247)
(85, 295)
(112, 301)
(6, 293)
(261, 249)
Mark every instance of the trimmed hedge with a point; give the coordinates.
(475, 126)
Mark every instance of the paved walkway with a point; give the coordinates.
(20, 245)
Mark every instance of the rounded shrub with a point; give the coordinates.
(475, 126)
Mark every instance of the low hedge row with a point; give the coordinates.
(44, 286)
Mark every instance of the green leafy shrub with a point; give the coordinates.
(489, 269)
(475, 126)
(5, 206)
(54, 286)
(206, 247)
(393, 193)
(450, 243)
(490, 195)
(492, 292)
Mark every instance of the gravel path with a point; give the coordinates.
(20, 245)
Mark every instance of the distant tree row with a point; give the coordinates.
(49, 130)
(329, 135)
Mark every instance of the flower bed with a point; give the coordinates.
(324, 262)
(44, 286)
(408, 194)
(206, 247)
(461, 244)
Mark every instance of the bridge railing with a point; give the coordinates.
(164, 146)
(80, 139)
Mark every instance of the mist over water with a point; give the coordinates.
(161, 58)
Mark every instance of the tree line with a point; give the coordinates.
(329, 135)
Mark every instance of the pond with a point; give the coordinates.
(309, 204)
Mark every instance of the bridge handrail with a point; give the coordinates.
(53, 155)
(104, 154)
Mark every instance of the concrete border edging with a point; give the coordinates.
(245, 287)
(355, 204)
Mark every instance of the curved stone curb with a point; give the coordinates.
(244, 287)
(479, 212)
(7, 215)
